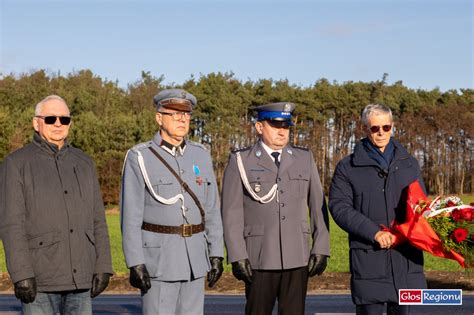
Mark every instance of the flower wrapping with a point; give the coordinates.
(437, 229)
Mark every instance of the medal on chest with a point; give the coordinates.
(197, 172)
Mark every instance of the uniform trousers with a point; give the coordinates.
(378, 309)
(174, 297)
(288, 286)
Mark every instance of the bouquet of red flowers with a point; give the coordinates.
(443, 226)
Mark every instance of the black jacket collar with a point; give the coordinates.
(49, 147)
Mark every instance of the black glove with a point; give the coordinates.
(216, 271)
(139, 278)
(242, 270)
(100, 281)
(317, 264)
(25, 290)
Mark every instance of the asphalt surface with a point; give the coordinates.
(235, 304)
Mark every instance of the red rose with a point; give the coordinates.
(457, 215)
(466, 214)
(450, 203)
(459, 235)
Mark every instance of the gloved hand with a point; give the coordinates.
(100, 281)
(216, 271)
(139, 278)
(242, 270)
(317, 264)
(25, 290)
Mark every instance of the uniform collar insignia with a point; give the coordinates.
(258, 153)
(171, 149)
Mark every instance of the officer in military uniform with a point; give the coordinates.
(171, 223)
(266, 193)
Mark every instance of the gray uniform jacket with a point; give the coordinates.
(275, 235)
(170, 257)
(52, 217)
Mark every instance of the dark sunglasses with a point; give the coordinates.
(385, 128)
(51, 120)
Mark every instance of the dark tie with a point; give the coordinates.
(275, 156)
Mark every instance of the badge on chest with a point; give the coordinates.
(197, 173)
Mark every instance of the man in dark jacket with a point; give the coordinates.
(368, 191)
(52, 219)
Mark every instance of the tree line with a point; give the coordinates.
(435, 126)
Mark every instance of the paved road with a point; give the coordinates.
(234, 305)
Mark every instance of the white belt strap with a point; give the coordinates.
(265, 199)
(170, 201)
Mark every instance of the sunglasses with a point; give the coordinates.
(51, 120)
(375, 129)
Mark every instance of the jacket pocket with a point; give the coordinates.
(253, 235)
(151, 243)
(299, 183)
(306, 239)
(46, 255)
(165, 188)
(90, 251)
(90, 236)
(369, 264)
(76, 175)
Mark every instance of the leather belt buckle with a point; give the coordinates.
(186, 230)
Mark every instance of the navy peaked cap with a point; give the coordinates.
(280, 111)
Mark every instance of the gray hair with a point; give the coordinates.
(39, 106)
(374, 108)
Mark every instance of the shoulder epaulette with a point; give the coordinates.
(199, 145)
(141, 146)
(238, 149)
(305, 148)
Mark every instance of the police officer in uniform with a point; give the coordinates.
(169, 241)
(266, 193)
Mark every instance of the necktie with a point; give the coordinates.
(275, 156)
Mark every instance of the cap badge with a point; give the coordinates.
(183, 94)
(287, 107)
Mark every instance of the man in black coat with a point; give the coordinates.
(52, 222)
(368, 192)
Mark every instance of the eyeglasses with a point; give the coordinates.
(178, 115)
(375, 129)
(51, 120)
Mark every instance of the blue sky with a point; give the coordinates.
(426, 44)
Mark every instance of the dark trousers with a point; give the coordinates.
(378, 309)
(288, 286)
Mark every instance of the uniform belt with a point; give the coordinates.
(185, 230)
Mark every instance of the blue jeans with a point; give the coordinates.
(76, 302)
